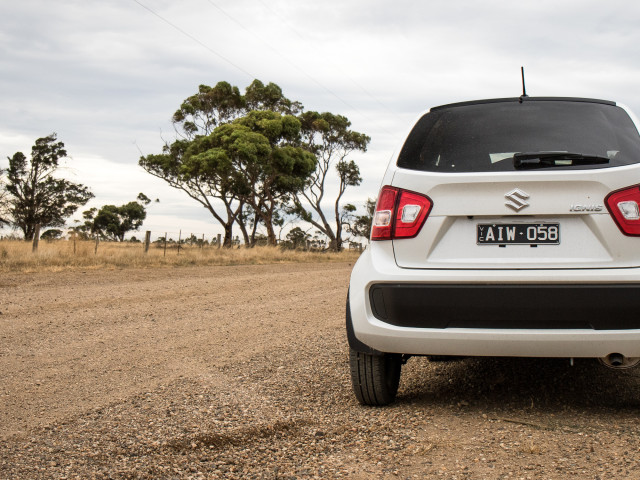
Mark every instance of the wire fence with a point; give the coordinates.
(165, 241)
(177, 242)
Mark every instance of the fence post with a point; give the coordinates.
(147, 240)
(36, 239)
(95, 251)
(202, 244)
(165, 244)
(75, 236)
(179, 240)
(219, 240)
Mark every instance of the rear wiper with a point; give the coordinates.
(525, 160)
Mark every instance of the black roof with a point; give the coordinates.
(523, 99)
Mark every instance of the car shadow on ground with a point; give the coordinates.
(520, 384)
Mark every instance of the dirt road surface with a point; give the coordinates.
(241, 372)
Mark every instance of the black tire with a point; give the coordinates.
(375, 378)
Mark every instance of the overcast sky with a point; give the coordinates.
(107, 75)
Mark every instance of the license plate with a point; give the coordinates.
(518, 234)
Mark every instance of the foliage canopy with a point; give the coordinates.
(249, 157)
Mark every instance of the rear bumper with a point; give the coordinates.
(533, 313)
(522, 306)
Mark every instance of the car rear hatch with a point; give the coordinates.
(494, 207)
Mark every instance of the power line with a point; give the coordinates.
(277, 52)
(250, 75)
(188, 35)
(305, 39)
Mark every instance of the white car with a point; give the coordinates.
(506, 227)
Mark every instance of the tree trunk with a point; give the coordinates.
(243, 228)
(228, 236)
(337, 242)
(245, 234)
(254, 230)
(267, 219)
(238, 217)
(271, 235)
(29, 231)
(323, 225)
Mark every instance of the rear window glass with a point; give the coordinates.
(484, 137)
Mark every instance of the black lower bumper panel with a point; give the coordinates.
(598, 307)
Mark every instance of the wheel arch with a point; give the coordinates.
(354, 342)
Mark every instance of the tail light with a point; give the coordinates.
(624, 207)
(399, 214)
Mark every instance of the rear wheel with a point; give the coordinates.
(375, 378)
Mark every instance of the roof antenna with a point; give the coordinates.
(524, 90)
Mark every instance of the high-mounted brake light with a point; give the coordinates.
(399, 214)
(624, 207)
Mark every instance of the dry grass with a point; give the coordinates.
(16, 256)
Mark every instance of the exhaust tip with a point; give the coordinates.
(616, 359)
(619, 361)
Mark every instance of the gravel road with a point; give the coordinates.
(241, 372)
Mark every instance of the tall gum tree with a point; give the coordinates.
(330, 138)
(36, 197)
(114, 222)
(205, 177)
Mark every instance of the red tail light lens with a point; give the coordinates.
(624, 207)
(383, 216)
(412, 211)
(399, 214)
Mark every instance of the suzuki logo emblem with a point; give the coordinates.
(516, 199)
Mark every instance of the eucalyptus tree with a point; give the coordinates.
(36, 197)
(185, 164)
(330, 138)
(114, 222)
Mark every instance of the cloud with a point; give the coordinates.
(107, 76)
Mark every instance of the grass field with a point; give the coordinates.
(17, 256)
